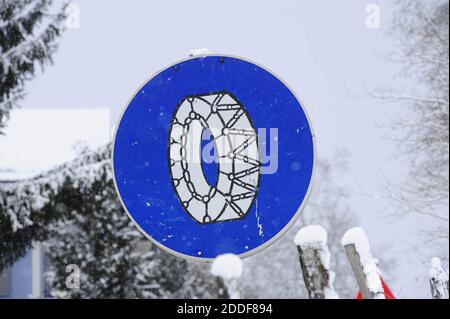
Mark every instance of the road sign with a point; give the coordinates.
(213, 155)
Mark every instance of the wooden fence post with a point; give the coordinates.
(311, 242)
(357, 247)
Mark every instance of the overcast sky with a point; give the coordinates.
(322, 49)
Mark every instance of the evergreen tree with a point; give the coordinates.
(28, 33)
(94, 234)
(74, 209)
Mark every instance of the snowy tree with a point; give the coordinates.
(420, 29)
(25, 205)
(94, 234)
(165, 276)
(198, 282)
(28, 33)
(74, 209)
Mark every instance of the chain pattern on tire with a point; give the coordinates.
(236, 144)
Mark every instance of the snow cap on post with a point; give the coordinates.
(311, 234)
(358, 237)
(227, 267)
(314, 236)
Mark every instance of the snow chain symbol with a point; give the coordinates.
(236, 145)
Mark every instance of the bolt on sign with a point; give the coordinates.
(213, 155)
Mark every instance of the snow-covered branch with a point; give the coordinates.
(19, 199)
(400, 97)
(23, 217)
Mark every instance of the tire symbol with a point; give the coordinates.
(236, 145)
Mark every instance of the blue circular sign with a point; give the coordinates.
(213, 155)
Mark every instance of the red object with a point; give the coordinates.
(387, 292)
